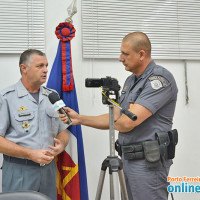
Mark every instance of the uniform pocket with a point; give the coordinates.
(23, 121)
(53, 119)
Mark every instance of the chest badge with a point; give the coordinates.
(25, 125)
(22, 108)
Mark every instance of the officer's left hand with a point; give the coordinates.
(58, 148)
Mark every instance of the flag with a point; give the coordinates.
(71, 171)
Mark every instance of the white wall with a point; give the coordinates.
(96, 142)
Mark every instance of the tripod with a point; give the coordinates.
(114, 164)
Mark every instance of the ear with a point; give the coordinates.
(142, 55)
(23, 68)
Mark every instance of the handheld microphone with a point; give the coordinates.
(58, 105)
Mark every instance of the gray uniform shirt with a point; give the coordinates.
(26, 122)
(156, 90)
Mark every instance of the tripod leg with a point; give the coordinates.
(111, 188)
(123, 185)
(116, 192)
(100, 185)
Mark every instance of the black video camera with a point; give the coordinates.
(109, 86)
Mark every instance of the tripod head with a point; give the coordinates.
(110, 88)
(110, 92)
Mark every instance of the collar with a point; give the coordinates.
(43, 91)
(22, 91)
(148, 69)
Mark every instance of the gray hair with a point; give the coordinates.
(26, 55)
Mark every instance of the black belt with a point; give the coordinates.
(21, 161)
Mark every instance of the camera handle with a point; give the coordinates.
(115, 167)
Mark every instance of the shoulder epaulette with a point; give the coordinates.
(49, 89)
(7, 90)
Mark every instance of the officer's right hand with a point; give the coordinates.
(40, 156)
(74, 116)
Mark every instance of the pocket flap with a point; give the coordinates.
(52, 113)
(151, 151)
(24, 116)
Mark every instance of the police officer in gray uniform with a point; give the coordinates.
(31, 132)
(150, 93)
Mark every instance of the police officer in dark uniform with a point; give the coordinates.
(150, 93)
(31, 132)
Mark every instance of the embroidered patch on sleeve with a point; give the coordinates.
(157, 82)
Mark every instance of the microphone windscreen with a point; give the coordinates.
(53, 97)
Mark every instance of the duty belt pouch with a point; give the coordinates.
(163, 141)
(173, 136)
(133, 151)
(152, 154)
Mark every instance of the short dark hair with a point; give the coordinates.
(25, 56)
(139, 41)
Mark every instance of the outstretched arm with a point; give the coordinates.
(125, 124)
(122, 124)
(99, 122)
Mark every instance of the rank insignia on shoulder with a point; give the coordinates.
(25, 125)
(22, 108)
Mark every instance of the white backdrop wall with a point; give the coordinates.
(96, 142)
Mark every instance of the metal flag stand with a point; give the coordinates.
(114, 164)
